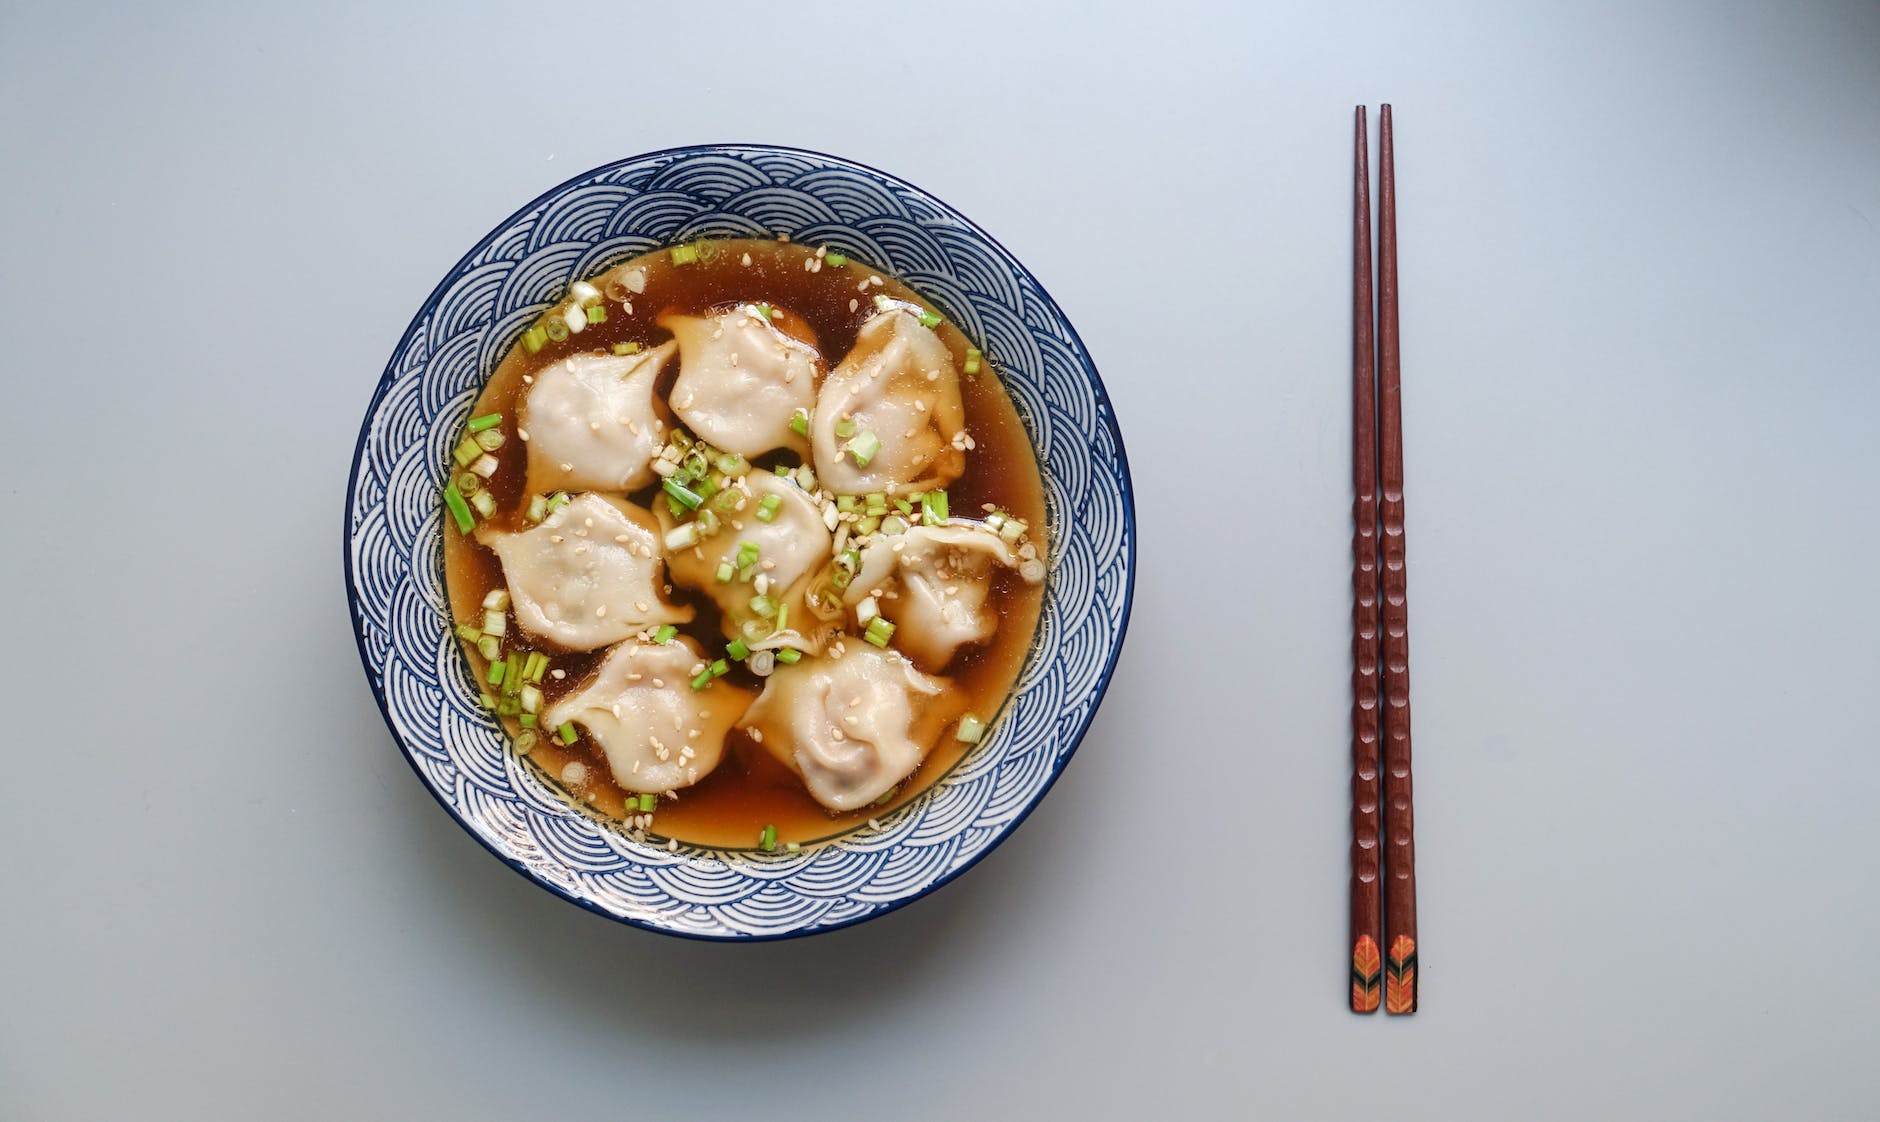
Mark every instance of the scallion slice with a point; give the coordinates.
(767, 840)
(566, 732)
(531, 698)
(877, 503)
(704, 679)
(933, 508)
(868, 525)
(467, 633)
(906, 508)
(767, 509)
(725, 572)
(490, 647)
(850, 559)
(484, 503)
(684, 254)
(799, 423)
(534, 339)
(466, 452)
(646, 803)
(879, 632)
(486, 701)
(737, 649)
(497, 669)
(763, 606)
(508, 707)
(788, 655)
(732, 464)
(496, 599)
(864, 447)
(848, 504)
(836, 259)
(527, 721)
(972, 360)
(894, 524)
(719, 668)
(494, 622)
(557, 500)
(459, 510)
(486, 421)
(490, 440)
(665, 634)
(845, 429)
(929, 319)
(972, 729)
(628, 348)
(538, 508)
(597, 313)
(681, 494)
(512, 677)
(747, 555)
(556, 328)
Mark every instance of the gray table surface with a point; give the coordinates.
(1641, 269)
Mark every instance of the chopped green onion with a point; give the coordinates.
(764, 310)
(490, 647)
(736, 649)
(535, 667)
(496, 599)
(494, 623)
(706, 248)
(972, 729)
(929, 319)
(847, 504)
(767, 509)
(486, 465)
(508, 707)
(995, 520)
(972, 360)
(684, 254)
(665, 634)
(757, 630)
(705, 488)
(733, 464)
(886, 797)
(868, 525)
(894, 524)
(531, 698)
(799, 422)
(557, 500)
(486, 421)
(538, 508)
(626, 348)
(485, 503)
(466, 452)
(767, 841)
(864, 447)
(566, 732)
(763, 606)
(527, 721)
(526, 741)
(704, 679)
(845, 429)
(789, 655)
(836, 259)
(747, 555)
(682, 495)
(534, 339)
(459, 509)
(883, 303)
(556, 328)
(467, 633)
(904, 506)
(512, 677)
(933, 508)
(491, 440)
(486, 701)
(719, 668)
(496, 672)
(792, 846)
(783, 615)
(469, 483)
(879, 631)
(850, 559)
(646, 803)
(1012, 530)
(877, 503)
(725, 572)
(839, 581)
(597, 313)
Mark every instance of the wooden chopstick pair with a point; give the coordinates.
(1383, 845)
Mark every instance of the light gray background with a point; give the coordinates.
(1641, 270)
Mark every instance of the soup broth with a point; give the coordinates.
(749, 798)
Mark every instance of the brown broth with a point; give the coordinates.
(750, 789)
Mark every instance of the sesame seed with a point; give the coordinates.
(556, 538)
(640, 606)
(523, 433)
(558, 674)
(594, 426)
(623, 537)
(836, 735)
(600, 611)
(567, 467)
(528, 379)
(854, 304)
(672, 845)
(874, 823)
(747, 259)
(757, 735)
(659, 683)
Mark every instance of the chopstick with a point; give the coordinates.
(1366, 892)
(1400, 892)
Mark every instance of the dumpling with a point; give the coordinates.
(591, 422)
(899, 388)
(591, 574)
(741, 380)
(852, 725)
(791, 549)
(932, 584)
(657, 733)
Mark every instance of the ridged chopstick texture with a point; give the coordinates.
(1367, 921)
(1380, 677)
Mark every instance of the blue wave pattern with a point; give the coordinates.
(395, 537)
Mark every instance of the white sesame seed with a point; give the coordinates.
(640, 606)
(853, 304)
(523, 433)
(757, 735)
(567, 467)
(623, 538)
(600, 611)
(558, 674)
(659, 683)
(747, 259)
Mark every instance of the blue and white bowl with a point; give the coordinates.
(394, 537)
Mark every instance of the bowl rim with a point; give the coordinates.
(388, 375)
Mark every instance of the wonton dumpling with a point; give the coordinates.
(589, 575)
(741, 380)
(846, 724)
(636, 722)
(791, 548)
(594, 413)
(899, 383)
(939, 579)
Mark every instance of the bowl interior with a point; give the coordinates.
(394, 528)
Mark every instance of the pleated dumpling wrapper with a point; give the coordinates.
(657, 732)
(591, 422)
(889, 416)
(592, 573)
(933, 583)
(852, 724)
(742, 379)
(786, 552)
